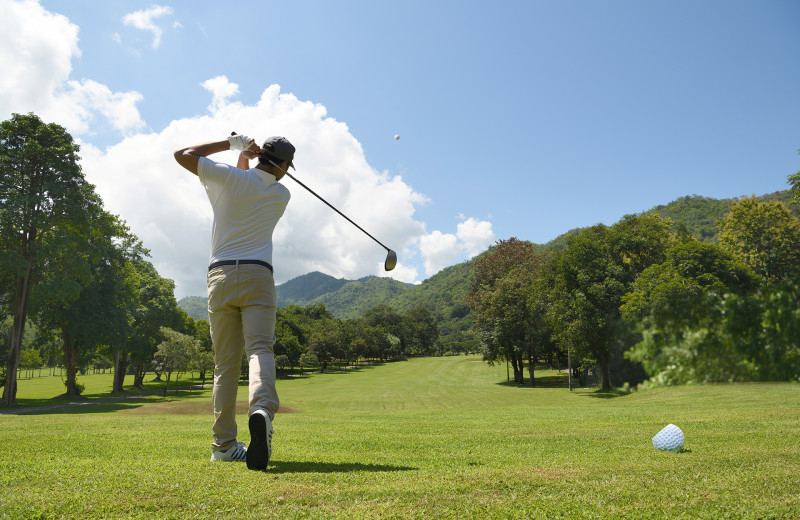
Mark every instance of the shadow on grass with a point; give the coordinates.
(330, 467)
(557, 381)
(74, 407)
(607, 394)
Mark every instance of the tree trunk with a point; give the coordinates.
(516, 364)
(20, 316)
(120, 367)
(70, 349)
(138, 377)
(531, 366)
(569, 368)
(166, 383)
(603, 360)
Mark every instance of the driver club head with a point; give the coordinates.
(391, 260)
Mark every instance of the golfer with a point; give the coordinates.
(247, 204)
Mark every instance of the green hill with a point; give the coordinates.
(443, 294)
(195, 306)
(355, 297)
(305, 288)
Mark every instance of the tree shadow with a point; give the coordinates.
(76, 407)
(554, 381)
(607, 394)
(330, 467)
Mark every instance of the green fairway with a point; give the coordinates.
(426, 438)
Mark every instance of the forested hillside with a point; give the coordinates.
(355, 297)
(305, 288)
(443, 295)
(701, 215)
(195, 306)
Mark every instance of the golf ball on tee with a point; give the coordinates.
(669, 439)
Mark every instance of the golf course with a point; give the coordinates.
(437, 437)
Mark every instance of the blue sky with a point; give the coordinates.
(521, 119)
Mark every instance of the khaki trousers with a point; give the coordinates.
(241, 311)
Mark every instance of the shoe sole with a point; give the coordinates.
(258, 451)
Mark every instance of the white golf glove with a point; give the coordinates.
(239, 142)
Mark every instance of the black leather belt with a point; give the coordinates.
(240, 262)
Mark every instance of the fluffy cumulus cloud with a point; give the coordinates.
(145, 20)
(442, 249)
(37, 49)
(166, 207)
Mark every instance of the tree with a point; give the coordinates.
(679, 305)
(308, 359)
(421, 331)
(30, 359)
(156, 307)
(498, 297)
(82, 289)
(282, 363)
(325, 344)
(42, 190)
(173, 353)
(794, 186)
(201, 356)
(593, 273)
(287, 342)
(766, 236)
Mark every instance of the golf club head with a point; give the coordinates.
(391, 260)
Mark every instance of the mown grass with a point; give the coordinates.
(427, 438)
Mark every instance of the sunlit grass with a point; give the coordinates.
(426, 438)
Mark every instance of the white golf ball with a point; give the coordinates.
(669, 439)
(396, 137)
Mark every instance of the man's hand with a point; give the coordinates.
(189, 157)
(241, 142)
(245, 156)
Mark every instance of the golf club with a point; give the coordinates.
(391, 256)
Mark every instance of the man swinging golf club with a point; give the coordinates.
(247, 204)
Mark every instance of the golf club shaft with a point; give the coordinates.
(326, 202)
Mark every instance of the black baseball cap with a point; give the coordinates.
(279, 148)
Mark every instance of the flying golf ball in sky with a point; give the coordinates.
(396, 137)
(669, 439)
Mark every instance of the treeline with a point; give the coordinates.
(70, 268)
(643, 298)
(77, 290)
(311, 337)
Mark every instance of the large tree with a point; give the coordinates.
(82, 292)
(679, 304)
(42, 192)
(421, 331)
(498, 298)
(766, 236)
(593, 273)
(156, 307)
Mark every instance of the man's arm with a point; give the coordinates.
(189, 157)
(244, 158)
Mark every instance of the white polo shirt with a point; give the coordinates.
(247, 205)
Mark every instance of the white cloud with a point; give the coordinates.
(442, 249)
(475, 236)
(37, 50)
(144, 20)
(439, 250)
(221, 90)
